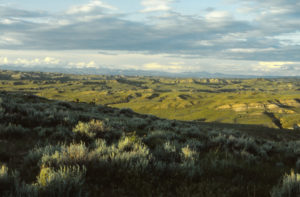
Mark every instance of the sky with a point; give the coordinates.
(226, 36)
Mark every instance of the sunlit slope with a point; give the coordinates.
(221, 107)
(270, 102)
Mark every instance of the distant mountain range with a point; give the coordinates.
(129, 72)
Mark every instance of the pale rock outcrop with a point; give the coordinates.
(292, 103)
(239, 107)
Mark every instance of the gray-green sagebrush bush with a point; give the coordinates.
(33, 158)
(12, 131)
(289, 186)
(6, 180)
(126, 154)
(133, 155)
(66, 181)
(93, 129)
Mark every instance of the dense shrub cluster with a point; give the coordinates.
(88, 131)
(77, 149)
(65, 181)
(12, 131)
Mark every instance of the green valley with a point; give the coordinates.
(273, 103)
(75, 135)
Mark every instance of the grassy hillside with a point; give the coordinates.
(273, 103)
(58, 148)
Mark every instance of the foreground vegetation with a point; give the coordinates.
(270, 102)
(58, 148)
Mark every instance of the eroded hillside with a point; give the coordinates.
(269, 102)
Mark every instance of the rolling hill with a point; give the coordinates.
(60, 148)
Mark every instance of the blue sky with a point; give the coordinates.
(228, 36)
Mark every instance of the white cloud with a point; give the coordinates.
(90, 64)
(289, 39)
(272, 66)
(9, 39)
(218, 16)
(7, 21)
(172, 67)
(236, 37)
(51, 60)
(270, 34)
(3, 60)
(250, 50)
(140, 61)
(91, 6)
(156, 5)
(46, 61)
(30, 62)
(207, 43)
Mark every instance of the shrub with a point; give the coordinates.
(293, 147)
(298, 164)
(195, 144)
(7, 180)
(243, 146)
(94, 128)
(128, 143)
(24, 190)
(128, 154)
(159, 137)
(67, 155)
(12, 131)
(126, 111)
(131, 154)
(192, 132)
(166, 152)
(136, 123)
(289, 187)
(169, 147)
(188, 153)
(34, 156)
(61, 133)
(162, 125)
(66, 181)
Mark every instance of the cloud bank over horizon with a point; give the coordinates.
(248, 36)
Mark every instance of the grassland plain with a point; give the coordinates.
(273, 103)
(59, 148)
